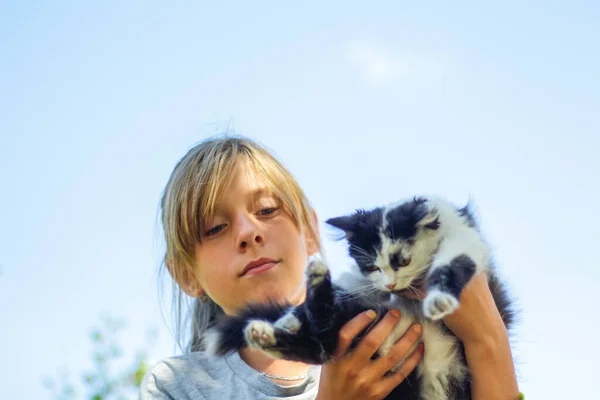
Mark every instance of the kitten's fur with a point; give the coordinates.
(425, 243)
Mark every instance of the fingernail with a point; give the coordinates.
(395, 313)
(416, 328)
(371, 314)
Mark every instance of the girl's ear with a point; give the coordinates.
(312, 243)
(186, 281)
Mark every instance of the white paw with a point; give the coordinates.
(260, 334)
(317, 270)
(437, 305)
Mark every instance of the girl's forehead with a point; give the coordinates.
(245, 185)
(246, 180)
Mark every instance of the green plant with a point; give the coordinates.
(112, 377)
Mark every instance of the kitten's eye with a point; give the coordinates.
(372, 268)
(398, 260)
(411, 242)
(403, 262)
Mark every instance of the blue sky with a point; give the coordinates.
(364, 104)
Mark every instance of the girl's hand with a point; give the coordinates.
(354, 375)
(477, 320)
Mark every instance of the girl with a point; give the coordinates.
(239, 229)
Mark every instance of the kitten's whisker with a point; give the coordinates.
(356, 294)
(359, 291)
(412, 289)
(361, 251)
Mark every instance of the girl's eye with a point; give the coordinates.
(372, 268)
(215, 230)
(267, 211)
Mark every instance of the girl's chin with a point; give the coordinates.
(290, 296)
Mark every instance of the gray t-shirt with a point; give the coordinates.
(196, 376)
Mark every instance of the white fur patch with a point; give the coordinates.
(396, 333)
(212, 341)
(261, 335)
(440, 363)
(317, 270)
(459, 238)
(438, 304)
(289, 322)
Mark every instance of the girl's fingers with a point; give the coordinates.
(393, 380)
(373, 340)
(397, 353)
(351, 329)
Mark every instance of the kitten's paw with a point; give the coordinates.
(317, 270)
(260, 334)
(437, 304)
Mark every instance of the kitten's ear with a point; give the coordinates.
(345, 223)
(431, 220)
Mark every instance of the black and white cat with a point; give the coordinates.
(424, 243)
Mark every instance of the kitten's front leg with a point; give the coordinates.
(444, 285)
(320, 296)
(462, 252)
(296, 335)
(287, 338)
(264, 336)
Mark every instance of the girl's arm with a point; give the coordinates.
(479, 325)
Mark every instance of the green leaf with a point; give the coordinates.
(96, 336)
(89, 378)
(104, 381)
(139, 374)
(99, 358)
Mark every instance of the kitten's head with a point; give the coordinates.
(392, 246)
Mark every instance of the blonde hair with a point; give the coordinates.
(190, 198)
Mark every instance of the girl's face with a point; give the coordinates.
(251, 249)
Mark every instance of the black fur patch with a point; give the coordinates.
(402, 221)
(467, 214)
(362, 233)
(433, 225)
(502, 300)
(452, 278)
(231, 328)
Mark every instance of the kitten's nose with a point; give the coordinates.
(391, 286)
